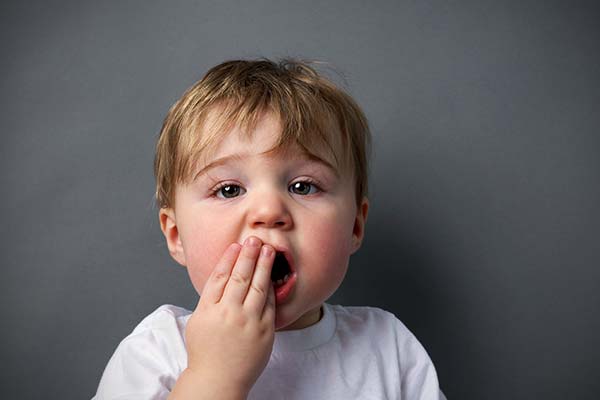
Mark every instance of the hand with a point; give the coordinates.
(229, 337)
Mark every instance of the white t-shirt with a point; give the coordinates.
(351, 353)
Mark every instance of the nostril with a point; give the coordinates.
(281, 220)
(266, 223)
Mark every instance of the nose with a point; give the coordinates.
(269, 210)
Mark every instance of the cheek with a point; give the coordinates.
(332, 241)
(204, 244)
(331, 246)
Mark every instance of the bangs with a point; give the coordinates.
(304, 123)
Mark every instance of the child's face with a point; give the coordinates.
(270, 197)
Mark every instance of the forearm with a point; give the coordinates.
(191, 386)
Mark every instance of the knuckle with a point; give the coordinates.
(258, 289)
(220, 275)
(239, 278)
(237, 319)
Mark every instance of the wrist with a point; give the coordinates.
(196, 385)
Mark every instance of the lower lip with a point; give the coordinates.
(283, 292)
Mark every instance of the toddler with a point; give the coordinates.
(261, 179)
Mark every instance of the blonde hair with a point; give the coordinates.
(313, 113)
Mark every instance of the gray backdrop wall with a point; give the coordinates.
(483, 234)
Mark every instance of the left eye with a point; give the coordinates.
(303, 188)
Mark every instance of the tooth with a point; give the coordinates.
(279, 281)
(286, 277)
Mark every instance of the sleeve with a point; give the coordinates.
(145, 365)
(419, 380)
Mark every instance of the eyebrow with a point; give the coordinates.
(238, 158)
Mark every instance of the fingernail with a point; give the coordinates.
(267, 251)
(252, 242)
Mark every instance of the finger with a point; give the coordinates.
(261, 281)
(270, 307)
(214, 286)
(241, 275)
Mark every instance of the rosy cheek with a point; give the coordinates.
(331, 242)
(207, 243)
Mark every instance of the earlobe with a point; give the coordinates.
(168, 225)
(358, 232)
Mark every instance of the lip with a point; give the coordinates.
(283, 292)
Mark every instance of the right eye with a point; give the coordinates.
(228, 191)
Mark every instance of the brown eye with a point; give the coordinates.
(229, 191)
(303, 188)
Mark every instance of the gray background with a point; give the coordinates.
(483, 231)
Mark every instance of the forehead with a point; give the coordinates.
(265, 136)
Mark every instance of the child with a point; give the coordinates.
(261, 174)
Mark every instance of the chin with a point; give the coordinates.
(283, 322)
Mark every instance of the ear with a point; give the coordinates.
(358, 232)
(168, 225)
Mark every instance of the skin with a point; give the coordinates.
(217, 228)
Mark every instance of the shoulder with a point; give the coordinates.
(374, 327)
(150, 358)
(369, 318)
(160, 333)
(361, 312)
(164, 319)
(381, 334)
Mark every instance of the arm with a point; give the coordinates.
(196, 386)
(230, 335)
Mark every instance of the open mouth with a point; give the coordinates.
(281, 271)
